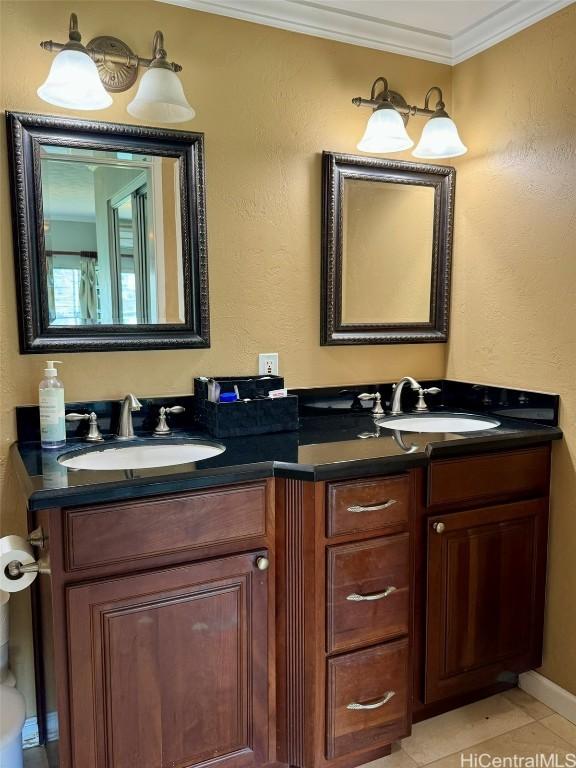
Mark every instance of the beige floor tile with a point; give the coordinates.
(462, 728)
(562, 727)
(35, 758)
(398, 759)
(528, 703)
(529, 741)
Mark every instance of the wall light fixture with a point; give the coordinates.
(81, 77)
(386, 128)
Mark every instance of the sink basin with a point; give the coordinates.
(142, 455)
(438, 422)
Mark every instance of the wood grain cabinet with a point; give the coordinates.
(168, 668)
(160, 612)
(486, 578)
(481, 543)
(165, 641)
(345, 558)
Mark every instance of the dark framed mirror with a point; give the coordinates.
(109, 235)
(386, 250)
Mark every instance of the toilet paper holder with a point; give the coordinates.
(37, 538)
(16, 569)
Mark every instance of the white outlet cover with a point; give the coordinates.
(268, 364)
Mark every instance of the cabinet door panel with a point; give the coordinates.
(168, 669)
(486, 579)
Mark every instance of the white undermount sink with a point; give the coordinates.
(142, 455)
(441, 422)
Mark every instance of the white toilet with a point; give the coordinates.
(12, 705)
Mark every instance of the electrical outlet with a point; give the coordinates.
(268, 364)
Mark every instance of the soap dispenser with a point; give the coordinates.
(51, 399)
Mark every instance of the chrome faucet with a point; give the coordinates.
(421, 406)
(125, 426)
(396, 409)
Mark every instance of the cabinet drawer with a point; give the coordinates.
(367, 592)
(114, 533)
(367, 704)
(492, 476)
(367, 505)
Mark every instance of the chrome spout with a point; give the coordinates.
(125, 426)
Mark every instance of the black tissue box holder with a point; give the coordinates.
(259, 416)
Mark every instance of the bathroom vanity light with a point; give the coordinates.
(386, 129)
(81, 76)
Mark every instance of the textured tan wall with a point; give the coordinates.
(269, 102)
(514, 282)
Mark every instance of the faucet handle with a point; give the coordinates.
(94, 435)
(162, 427)
(377, 410)
(421, 406)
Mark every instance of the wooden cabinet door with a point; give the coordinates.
(169, 669)
(486, 582)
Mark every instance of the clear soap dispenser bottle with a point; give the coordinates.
(51, 399)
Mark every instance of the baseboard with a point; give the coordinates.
(30, 736)
(549, 693)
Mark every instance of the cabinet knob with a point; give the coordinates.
(262, 563)
(439, 527)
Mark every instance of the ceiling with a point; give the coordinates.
(448, 31)
(68, 191)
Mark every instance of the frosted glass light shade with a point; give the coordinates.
(385, 132)
(161, 98)
(73, 82)
(440, 139)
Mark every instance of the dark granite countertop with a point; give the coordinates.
(326, 447)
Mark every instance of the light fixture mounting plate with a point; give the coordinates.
(397, 100)
(115, 77)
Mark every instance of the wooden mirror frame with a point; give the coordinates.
(335, 169)
(26, 133)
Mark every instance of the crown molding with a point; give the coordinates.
(512, 18)
(317, 20)
(320, 21)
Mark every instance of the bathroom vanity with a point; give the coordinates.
(301, 611)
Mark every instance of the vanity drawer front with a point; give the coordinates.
(376, 681)
(367, 592)
(523, 473)
(119, 533)
(366, 505)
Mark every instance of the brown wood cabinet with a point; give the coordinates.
(486, 577)
(164, 658)
(382, 600)
(481, 543)
(344, 564)
(177, 672)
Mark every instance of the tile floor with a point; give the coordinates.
(512, 723)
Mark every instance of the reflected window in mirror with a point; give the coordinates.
(387, 241)
(119, 256)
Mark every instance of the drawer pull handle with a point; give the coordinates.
(375, 704)
(355, 598)
(372, 507)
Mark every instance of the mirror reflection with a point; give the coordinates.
(387, 239)
(112, 231)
